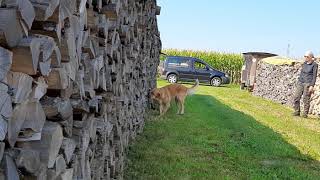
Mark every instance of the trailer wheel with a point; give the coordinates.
(242, 86)
(250, 88)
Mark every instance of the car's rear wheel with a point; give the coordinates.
(216, 81)
(172, 78)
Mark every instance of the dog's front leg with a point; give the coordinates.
(179, 106)
(182, 108)
(166, 107)
(161, 108)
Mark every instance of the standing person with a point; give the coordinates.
(305, 84)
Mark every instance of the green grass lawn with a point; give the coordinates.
(227, 134)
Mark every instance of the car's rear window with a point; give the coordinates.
(178, 62)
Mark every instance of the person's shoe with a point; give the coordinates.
(305, 115)
(296, 113)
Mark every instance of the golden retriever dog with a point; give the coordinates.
(171, 92)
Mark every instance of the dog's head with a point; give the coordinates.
(155, 94)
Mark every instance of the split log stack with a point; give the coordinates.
(74, 83)
(278, 83)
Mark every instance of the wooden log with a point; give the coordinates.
(22, 61)
(66, 9)
(79, 105)
(111, 10)
(71, 69)
(49, 29)
(45, 9)
(2, 146)
(67, 126)
(57, 109)
(10, 26)
(88, 124)
(82, 140)
(52, 174)
(5, 110)
(39, 89)
(26, 56)
(50, 109)
(104, 127)
(158, 10)
(29, 160)
(58, 79)
(46, 28)
(3, 41)
(66, 175)
(65, 94)
(91, 20)
(91, 46)
(95, 104)
(5, 62)
(26, 10)
(68, 146)
(60, 165)
(10, 169)
(49, 145)
(22, 118)
(94, 67)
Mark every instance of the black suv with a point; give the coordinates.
(181, 68)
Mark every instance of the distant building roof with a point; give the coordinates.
(260, 53)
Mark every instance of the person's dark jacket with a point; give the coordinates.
(308, 73)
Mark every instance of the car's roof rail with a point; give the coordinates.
(181, 56)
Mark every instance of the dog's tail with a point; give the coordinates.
(192, 90)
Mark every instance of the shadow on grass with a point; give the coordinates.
(214, 141)
(203, 84)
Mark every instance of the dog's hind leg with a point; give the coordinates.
(181, 100)
(182, 107)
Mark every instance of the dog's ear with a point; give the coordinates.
(157, 94)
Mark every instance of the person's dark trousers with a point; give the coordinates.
(302, 89)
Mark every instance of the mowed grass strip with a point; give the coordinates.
(226, 134)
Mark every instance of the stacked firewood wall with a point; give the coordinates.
(74, 83)
(278, 83)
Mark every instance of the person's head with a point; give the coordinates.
(308, 56)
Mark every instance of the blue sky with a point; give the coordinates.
(241, 25)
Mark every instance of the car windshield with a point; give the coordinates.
(199, 65)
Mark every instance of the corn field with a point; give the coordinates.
(227, 62)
